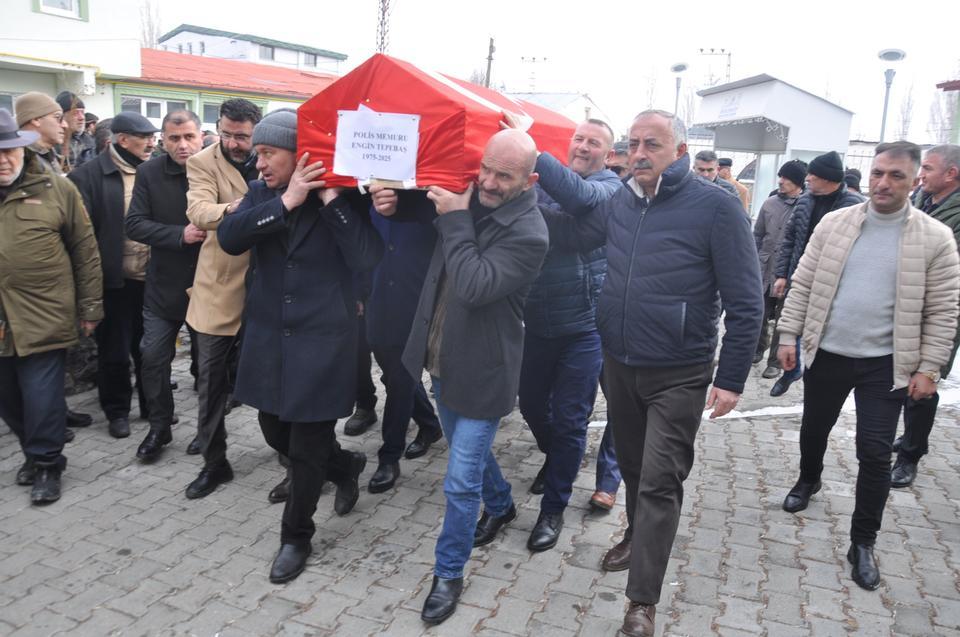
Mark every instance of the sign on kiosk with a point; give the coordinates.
(372, 145)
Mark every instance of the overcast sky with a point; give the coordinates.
(620, 52)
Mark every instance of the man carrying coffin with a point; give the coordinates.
(298, 358)
(468, 334)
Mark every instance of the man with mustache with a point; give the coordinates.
(158, 218)
(678, 249)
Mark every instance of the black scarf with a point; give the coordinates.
(127, 156)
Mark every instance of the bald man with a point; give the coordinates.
(468, 334)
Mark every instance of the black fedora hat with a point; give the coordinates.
(10, 136)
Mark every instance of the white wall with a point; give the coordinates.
(94, 42)
(222, 47)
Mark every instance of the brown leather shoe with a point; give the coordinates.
(617, 558)
(602, 500)
(638, 622)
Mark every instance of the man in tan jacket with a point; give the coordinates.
(218, 177)
(874, 300)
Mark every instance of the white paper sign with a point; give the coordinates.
(372, 145)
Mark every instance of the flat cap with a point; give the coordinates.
(133, 123)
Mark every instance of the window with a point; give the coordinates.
(266, 52)
(211, 114)
(6, 101)
(203, 48)
(153, 110)
(309, 59)
(190, 48)
(66, 8)
(176, 106)
(130, 104)
(179, 48)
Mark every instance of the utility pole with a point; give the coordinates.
(383, 27)
(486, 78)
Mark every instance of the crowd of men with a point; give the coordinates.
(539, 283)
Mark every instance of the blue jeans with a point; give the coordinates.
(608, 471)
(472, 474)
(558, 386)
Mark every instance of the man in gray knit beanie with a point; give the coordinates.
(299, 354)
(278, 129)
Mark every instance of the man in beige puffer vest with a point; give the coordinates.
(874, 300)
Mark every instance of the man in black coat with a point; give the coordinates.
(468, 333)
(158, 218)
(298, 358)
(106, 184)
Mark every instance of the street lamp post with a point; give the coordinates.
(678, 68)
(888, 55)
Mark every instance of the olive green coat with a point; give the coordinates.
(49, 264)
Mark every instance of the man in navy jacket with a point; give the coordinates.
(677, 247)
(298, 358)
(561, 347)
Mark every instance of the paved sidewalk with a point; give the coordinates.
(124, 552)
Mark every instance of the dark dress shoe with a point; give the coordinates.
(783, 384)
(442, 600)
(46, 484)
(281, 492)
(195, 447)
(384, 477)
(359, 422)
(348, 491)
(536, 487)
(209, 479)
(757, 357)
(865, 572)
(119, 427)
(639, 620)
(488, 526)
(618, 558)
(897, 444)
(289, 563)
(26, 473)
(153, 444)
(771, 372)
(903, 474)
(799, 496)
(545, 532)
(77, 419)
(421, 444)
(68, 435)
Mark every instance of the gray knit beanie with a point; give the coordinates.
(278, 129)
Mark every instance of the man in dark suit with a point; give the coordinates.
(298, 358)
(158, 218)
(106, 184)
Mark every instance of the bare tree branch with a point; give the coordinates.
(149, 24)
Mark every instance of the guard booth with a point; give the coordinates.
(775, 122)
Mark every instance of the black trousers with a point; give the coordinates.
(406, 399)
(768, 330)
(32, 404)
(655, 413)
(826, 386)
(918, 417)
(157, 349)
(118, 339)
(366, 391)
(315, 456)
(213, 365)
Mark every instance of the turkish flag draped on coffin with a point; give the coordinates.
(456, 118)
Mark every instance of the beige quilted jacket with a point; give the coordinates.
(928, 283)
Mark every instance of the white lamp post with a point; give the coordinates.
(678, 68)
(888, 55)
